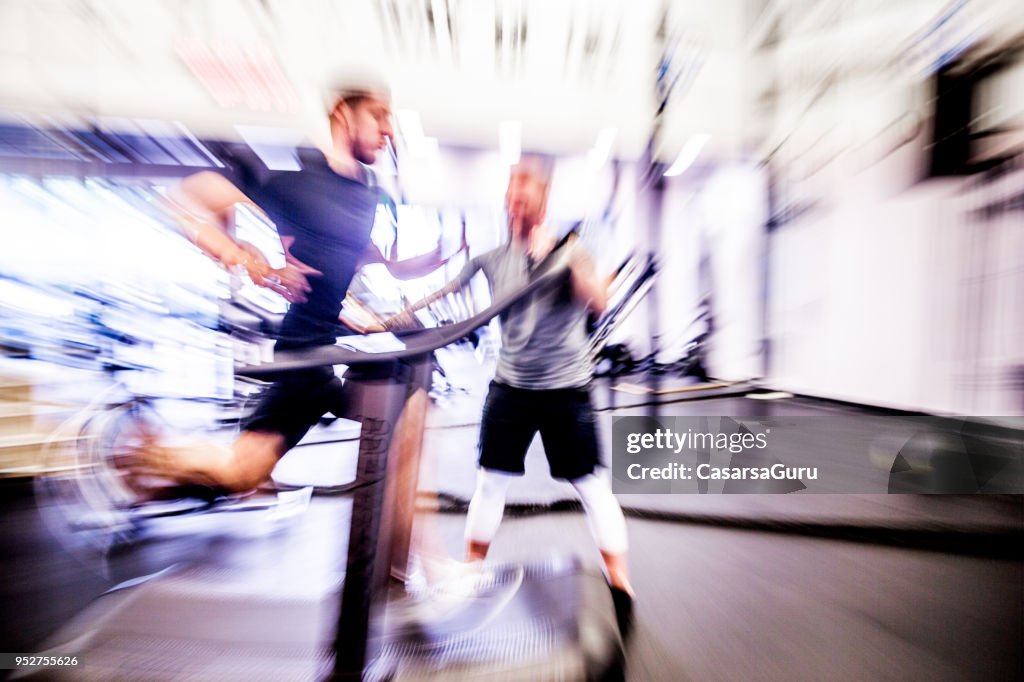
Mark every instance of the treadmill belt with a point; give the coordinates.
(559, 625)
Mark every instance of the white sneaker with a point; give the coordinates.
(461, 604)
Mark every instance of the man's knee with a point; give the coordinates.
(493, 484)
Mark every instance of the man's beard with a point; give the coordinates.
(524, 221)
(368, 157)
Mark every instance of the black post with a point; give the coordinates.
(378, 395)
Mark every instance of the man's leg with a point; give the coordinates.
(233, 468)
(506, 428)
(608, 527)
(419, 554)
(403, 469)
(284, 414)
(569, 433)
(485, 512)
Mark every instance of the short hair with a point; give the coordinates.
(354, 84)
(538, 166)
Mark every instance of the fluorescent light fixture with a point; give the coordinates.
(510, 135)
(199, 145)
(770, 395)
(276, 147)
(688, 154)
(410, 125)
(387, 162)
(419, 145)
(602, 147)
(235, 74)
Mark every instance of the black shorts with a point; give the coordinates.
(294, 403)
(564, 417)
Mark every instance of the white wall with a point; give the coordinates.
(682, 227)
(734, 206)
(904, 300)
(717, 212)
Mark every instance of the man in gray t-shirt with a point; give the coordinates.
(543, 339)
(541, 382)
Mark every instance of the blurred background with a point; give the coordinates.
(830, 188)
(831, 191)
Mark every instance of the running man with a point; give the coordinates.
(324, 214)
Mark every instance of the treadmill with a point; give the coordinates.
(560, 623)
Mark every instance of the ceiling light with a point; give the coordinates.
(688, 154)
(510, 141)
(602, 147)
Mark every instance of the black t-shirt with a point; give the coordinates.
(330, 216)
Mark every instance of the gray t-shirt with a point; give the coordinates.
(544, 338)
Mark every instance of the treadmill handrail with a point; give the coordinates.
(419, 343)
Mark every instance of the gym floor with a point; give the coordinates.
(728, 587)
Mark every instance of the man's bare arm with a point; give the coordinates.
(410, 268)
(204, 205)
(406, 319)
(588, 287)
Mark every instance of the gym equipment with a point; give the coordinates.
(560, 624)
